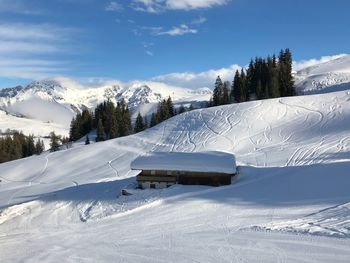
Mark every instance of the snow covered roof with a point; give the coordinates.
(213, 161)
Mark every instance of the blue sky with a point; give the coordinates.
(93, 40)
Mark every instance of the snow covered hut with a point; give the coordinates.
(163, 169)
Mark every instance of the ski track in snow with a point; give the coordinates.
(111, 166)
(249, 221)
(16, 193)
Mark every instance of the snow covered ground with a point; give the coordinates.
(290, 202)
(329, 76)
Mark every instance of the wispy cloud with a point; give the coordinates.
(157, 6)
(14, 47)
(180, 30)
(114, 7)
(199, 21)
(198, 80)
(29, 50)
(193, 4)
(149, 53)
(150, 6)
(46, 32)
(147, 46)
(18, 7)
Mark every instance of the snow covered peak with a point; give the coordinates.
(44, 85)
(10, 92)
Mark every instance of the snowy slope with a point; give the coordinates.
(56, 101)
(330, 76)
(294, 157)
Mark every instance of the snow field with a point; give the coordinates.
(289, 203)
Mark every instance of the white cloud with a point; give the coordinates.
(178, 31)
(174, 31)
(25, 32)
(149, 53)
(190, 80)
(298, 65)
(156, 6)
(31, 71)
(150, 6)
(114, 7)
(26, 50)
(193, 4)
(199, 21)
(198, 80)
(147, 46)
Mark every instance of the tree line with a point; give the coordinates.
(16, 145)
(264, 78)
(165, 110)
(112, 121)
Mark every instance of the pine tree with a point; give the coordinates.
(3, 154)
(16, 148)
(139, 124)
(226, 93)
(119, 116)
(191, 108)
(126, 128)
(100, 134)
(154, 120)
(211, 102)
(54, 142)
(289, 76)
(145, 121)
(87, 140)
(286, 81)
(251, 83)
(170, 107)
(30, 146)
(274, 91)
(218, 92)
(236, 87)
(113, 129)
(163, 111)
(110, 122)
(39, 147)
(86, 122)
(16, 145)
(244, 93)
(181, 109)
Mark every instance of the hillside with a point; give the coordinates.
(294, 157)
(330, 76)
